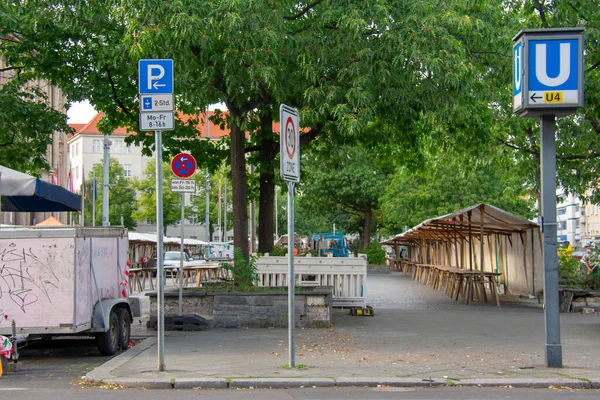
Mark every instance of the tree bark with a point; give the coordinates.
(268, 152)
(238, 183)
(367, 228)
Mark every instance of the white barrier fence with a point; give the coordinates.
(347, 276)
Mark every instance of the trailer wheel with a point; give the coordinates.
(124, 328)
(108, 342)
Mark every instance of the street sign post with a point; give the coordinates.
(547, 72)
(155, 83)
(548, 82)
(183, 165)
(152, 121)
(183, 185)
(156, 102)
(155, 76)
(289, 165)
(289, 144)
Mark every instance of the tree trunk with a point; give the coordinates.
(238, 183)
(367, 228)
(268, 152)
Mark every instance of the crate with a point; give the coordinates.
(363, 311)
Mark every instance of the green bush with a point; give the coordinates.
(570, 275)
(592, 282)
(375, 254)
(244, 272)
(278, 251)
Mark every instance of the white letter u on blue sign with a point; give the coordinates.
(541, 67)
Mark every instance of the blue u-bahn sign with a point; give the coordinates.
(548, 71)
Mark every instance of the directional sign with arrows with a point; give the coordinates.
(534, 97)
(183, 165)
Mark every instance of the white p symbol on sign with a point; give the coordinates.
(160, 73)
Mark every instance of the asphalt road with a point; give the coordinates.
(56, 390)
(62, 360)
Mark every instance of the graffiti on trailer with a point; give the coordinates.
(24, 278)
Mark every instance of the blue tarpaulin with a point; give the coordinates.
(26, 193)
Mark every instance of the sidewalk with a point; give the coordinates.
(417, 337)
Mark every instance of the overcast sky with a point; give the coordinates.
(80, 113)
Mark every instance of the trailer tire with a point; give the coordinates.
(124, 328)
(108, 342)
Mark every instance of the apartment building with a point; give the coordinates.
(86, 148)
(568, 218)
(56, 154)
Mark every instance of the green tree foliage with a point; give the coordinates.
(26, 126)
(218, 181)
(145, 207)
(121, 200)
(431, 77)
(448, 183)
(348, 179)
(375, 254)
(243, 271)
(577, 135)
(341, 63)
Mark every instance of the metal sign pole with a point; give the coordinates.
(291, 278)
(537, 92)
(105, 183)
(181, 257)
(159, 253)
(550, 256)
(207, 211)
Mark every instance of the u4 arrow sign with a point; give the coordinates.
(534, 97)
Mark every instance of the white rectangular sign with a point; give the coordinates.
(156, 121)
(156, 102)
(289, 139)
(183, 185)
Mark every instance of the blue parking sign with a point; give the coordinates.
(155, 76)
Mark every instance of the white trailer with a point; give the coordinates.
(65, 281)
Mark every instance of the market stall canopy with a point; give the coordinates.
(474, 219)
(151, 238)
(283, 240)
(25, 193)
(51, 221)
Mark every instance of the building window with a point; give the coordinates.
(96, 146)
(127, 169)
(576, 224)
(119, 146)
(561, 211)
(562, 225)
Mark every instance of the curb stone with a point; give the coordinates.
(102, 372)
(281, 383)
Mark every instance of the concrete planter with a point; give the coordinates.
(572, 300)
(256, 310)
(378, 269)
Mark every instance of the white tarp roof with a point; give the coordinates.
(151, 238)
(480, 216)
